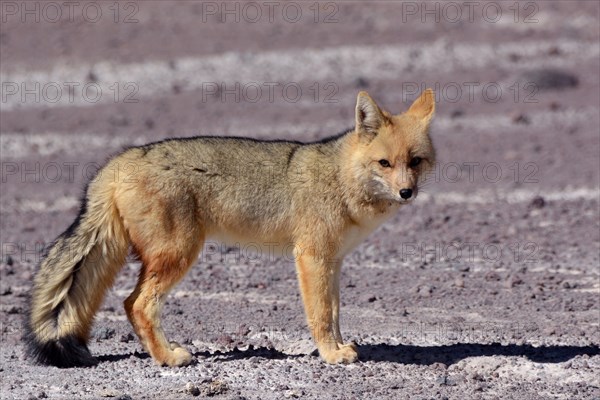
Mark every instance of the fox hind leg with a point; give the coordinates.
(160, 272)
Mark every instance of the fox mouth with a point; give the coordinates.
(380, 189)
(405, 201)
(395, 197)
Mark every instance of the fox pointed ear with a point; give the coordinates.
(369, 117)
(423, 107)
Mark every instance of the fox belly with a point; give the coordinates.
(250, 247)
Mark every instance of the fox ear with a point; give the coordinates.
(423, 107)
(369, 117)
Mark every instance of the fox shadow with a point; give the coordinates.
(451, 354)
(230, 355)
(406, 354)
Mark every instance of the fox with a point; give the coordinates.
(323, 197)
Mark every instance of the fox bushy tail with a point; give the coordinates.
(72, 279)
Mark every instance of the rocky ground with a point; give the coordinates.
(486, 287)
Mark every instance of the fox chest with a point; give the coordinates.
(356, 233)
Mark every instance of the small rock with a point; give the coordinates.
(291, 393)
(224, 340)
(457, 114)
(244, 330)
(513, 281)
(425, 290)
(361, 82)
(92, 77)
(214, 388)
(444, 380)
(126, 338)
(546, 79)
(372, 299)
(537, 202)
(192, 389)
(520, 118)
(14, 310)
(458, 282)
(492, 276)
(554, 51)
(6, 291)
(104, 333)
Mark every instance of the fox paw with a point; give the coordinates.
(177, 356)
(346, 354)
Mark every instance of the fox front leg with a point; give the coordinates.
(335, 308)
(319, 286)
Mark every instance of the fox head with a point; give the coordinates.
(392, 153)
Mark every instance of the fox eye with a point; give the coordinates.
(414, 162)
(384, 163)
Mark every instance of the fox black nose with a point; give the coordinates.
(405, 193)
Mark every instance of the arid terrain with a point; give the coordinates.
(487, 286)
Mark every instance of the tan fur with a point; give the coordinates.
(168, 197)
(101, 247)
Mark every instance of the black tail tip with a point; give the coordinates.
(65, 352)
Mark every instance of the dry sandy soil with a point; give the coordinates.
(487, 286)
